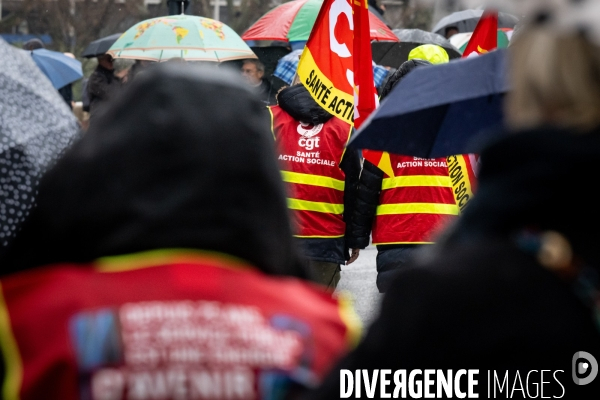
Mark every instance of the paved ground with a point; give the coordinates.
(358, 278)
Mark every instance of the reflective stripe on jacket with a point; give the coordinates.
(415, 203)
(309, 158)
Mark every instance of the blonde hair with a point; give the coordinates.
(555, 81)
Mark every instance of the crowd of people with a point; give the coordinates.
(189, 242)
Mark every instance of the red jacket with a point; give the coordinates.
(165, 325)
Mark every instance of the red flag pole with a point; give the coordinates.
(365, 92)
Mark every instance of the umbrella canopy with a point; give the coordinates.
(461, 40)
(436, 111)
(100, 46)
(60, 69)
(466, 21)
(293, 21)
(393, 54)
(189, 37)
(422, 37)
(35, 127)
(269, 56)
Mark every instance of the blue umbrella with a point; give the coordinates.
(437, 111)
(60, 69)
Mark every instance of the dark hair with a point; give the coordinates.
(400, 73)
(33, 44)
(448, 28)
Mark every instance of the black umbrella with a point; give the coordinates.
(100, 46)
(393, 54)
(439, 110)
(466, 21)
(269, 55)
(35, 127)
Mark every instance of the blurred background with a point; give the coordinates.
(70, 25)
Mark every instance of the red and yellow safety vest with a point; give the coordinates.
(165, 325)
(310, 159)
(415, 203)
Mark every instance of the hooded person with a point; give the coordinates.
(321, 176)
(161, 250)
(430, 52)
(406, 211)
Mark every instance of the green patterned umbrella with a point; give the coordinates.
(189, 37)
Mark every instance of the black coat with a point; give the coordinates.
(266, 93)
(479, 298)
(367, 200)
(66, 92)
(298, 103)
(100, 86)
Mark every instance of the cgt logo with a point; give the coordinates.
(308, 141)
(585, 368)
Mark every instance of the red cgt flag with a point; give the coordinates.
(326, 64)
(337, 69)
(485, 36)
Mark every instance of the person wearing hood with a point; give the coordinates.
(321, 176)
(159, 261)
(406, 211)
(511, 290)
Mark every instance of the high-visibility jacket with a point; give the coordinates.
(415, 203)
(167, 324)
(310, 159)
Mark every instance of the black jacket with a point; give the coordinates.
(181, 159)
(367, 200)
(479, 298)
(66, 92)
(298, 103)
(266, 93)
(100, 86)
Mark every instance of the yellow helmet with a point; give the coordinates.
(430, 52)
